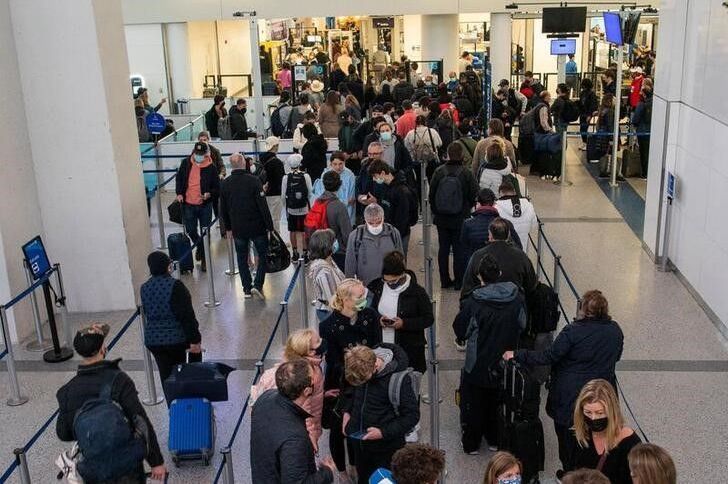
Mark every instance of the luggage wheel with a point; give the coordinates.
(206, 461)
(176, 461)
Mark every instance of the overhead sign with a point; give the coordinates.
(383, 22)
(155, 123)
(299, 73)
(670, 185)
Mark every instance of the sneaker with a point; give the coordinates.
(543, 177)
(247, 294)
(413, 436)
(472, 452)
(557, 179)
(258, 294)
(295, 256)
(198, 255)
(460, 345)
(305, 257)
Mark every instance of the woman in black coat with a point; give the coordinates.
(587, 349)
(313, 152)
(405, 309)
(588, 105)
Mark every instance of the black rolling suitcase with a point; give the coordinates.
(519, 426)
(179, 245)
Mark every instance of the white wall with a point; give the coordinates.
(412, 36)
(695, 37)
(543, 61)
(146, 57)
(234, 42)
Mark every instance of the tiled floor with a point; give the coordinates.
(674, 369)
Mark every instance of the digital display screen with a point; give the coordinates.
(37, 257)
(563, 20)
(613, 27)
(563, 46)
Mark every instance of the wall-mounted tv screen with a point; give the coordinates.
(563, 20)
(613, 27)
(563, 46)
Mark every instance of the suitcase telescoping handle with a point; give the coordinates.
(188, 353)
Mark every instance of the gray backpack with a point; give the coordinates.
(224, 129)
(449, 196)
(395, 386)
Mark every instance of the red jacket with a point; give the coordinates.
(634, 93)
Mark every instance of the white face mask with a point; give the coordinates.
(375, 229)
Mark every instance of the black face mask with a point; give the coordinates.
(323, 347)
(243, 110)
(597, 424)
(398, 283)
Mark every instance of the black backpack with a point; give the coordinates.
(106, 439)
(413, 211)
(543, 309)
(276, 125)
(527, 125)
(449, 196)
(570, 112)
(296, 190)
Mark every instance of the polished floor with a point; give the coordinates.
(674, 370)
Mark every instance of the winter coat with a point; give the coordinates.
(474, 234)
(86, 385)
(371, 406)
(340, 335)
(492, 173)
(337, 218)
(396, 205)
(514, 264)
(326, 276)
(314, 156)
(365, 252)
(522, 224)
(469, 191)
(491, 320)
(464, 106)
(274, 173)
(401, 91)
(280, 447)
(313, 404)
(209, 179)
(329, 121)
(238, 124)
(482, 147)
(584, 350)
(415, 309)
(243, 207)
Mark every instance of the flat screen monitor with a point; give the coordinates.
(613, 27)
(563, 20)
(563, 46)
(313, 39)
(630, 21)
(37, 258)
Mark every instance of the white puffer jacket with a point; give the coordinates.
(522, 224)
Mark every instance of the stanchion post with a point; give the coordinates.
(152, 398)
(617, 115)
(40, 343)
(304, 293)
(228, 474)
(231, 271)
(15, 398)
(68, 334)
(286, 322)
(22, 459)
(434, 384)
(160, 213)
(557, 274)
(212, 301)
(539, 250)
(564, 148)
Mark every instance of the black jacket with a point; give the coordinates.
(371, 406)
(470, 191)
(514, 264)
(464, 106)
(491, 320)
(401, 91)
(274, 173)
(360, 135)
(341, 335)
(211, 118)
(584, 350)
(415, 309)
(314, 156)
(86, 385)
(280, 448)
(396, 205)
(243, 207)
(209, 179)
(238, 124)
(588, 103)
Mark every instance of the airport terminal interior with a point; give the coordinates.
(103, 103)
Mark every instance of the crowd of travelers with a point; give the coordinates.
(350, 217)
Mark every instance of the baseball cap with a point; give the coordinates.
(200, 148)
(294, 161)
(272, 141)
(88, 341)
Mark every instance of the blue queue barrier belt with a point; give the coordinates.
(221, 154)
(2, 355)
(11, 468)
(259, 370)
(30, 289)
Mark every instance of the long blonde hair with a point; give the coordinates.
(651, 464)
(598, 391)
(343, 291)
(298, 344)
(498, 464)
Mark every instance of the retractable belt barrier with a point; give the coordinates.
(555, 283)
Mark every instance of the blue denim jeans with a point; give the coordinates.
(195, 215)
(242, 249)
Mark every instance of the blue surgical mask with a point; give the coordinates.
(379, 181)
(199, 158)
(385, 136)
(510, 480)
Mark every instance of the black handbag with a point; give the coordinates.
(278, 258)
(175, 212)
(198, 380)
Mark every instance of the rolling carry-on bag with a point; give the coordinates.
(198, 379)
(179, 245)
(631, 163)
(191, 430)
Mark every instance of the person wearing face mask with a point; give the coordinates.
(347, 190)
(604, 441)
(397, 199)
(280, 445)
(171, 327)
(503, 468)
(352, 322)
(215, 112)
(452, 82)
(197, 184)
(394, 152)
(587, 349)
(238, 123)
(323, 271)
(94, 374)
(369, 243)
(303, 344)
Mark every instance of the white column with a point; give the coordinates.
(258, 107)
(440, 40)
(412, 26)
(501, 33)
(85, 152)
(178, 57)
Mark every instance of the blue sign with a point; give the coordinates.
(670, 185)
(155, 123)
(37, 258)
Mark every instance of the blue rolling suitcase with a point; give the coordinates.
(179, 245)
(191, 430)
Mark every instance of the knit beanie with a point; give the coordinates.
(158, 263)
